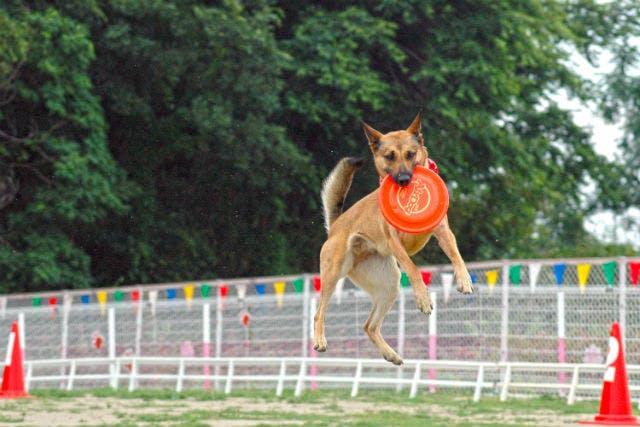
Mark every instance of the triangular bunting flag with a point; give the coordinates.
(583, 275)
(534, 271)
(609, 270)
(205, 290)
(634, 270)
(153, 299)
(242, 291)
(514, 274)
(426, 277)
(447, 284)
(102, 299)
(339, 289)
(404, 280)
(279, 288)
(298, 285)
(492, 278)
(558, 271)
(188, 295)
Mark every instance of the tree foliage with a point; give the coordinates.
(161, 140)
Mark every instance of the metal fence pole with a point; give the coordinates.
(112, 347)
(504, 325)
(219, 319)
(622, 281)
(306, 333)
(206, 340)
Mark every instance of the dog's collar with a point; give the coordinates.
(430, 165)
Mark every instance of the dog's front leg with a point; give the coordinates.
(420, 291)
(447, 242)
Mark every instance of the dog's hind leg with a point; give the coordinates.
(380, 277)
(332, 262)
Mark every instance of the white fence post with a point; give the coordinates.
(23, 341)
(562, 351)
(401, 333)
(622, 281)
(504, 325)
(219, 318)
(113, 368)
(206, 340)
(433, 338)
(305, 316)
(138, 306)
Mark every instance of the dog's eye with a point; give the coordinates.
(411, 155)
(391, 156)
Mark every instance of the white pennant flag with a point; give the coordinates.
(153, 298)
(534, 270)
(447, 283)
(339, 288)
(67, 300)
(242, 291)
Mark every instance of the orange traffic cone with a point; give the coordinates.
(13, 378)
(615, 403)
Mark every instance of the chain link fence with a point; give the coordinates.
(531, 311)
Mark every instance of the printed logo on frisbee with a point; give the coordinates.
(414, 199)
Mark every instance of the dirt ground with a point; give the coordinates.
(108, 411)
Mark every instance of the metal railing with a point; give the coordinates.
(224, 374)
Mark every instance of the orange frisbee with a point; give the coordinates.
(415, 208)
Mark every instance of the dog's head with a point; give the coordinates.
(397, 153)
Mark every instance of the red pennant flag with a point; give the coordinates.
(317, 285)
(135, 296)
(634, 272)
(426, 277)
(223, 291)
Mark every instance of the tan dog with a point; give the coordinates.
(364, 247)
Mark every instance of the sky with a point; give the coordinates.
(604, 225)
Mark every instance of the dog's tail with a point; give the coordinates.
(336, 187)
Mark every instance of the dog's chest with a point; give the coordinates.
(413, 243)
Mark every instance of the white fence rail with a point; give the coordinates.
(299, 374)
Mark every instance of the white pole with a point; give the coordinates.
(23, 342)
(562, 351)
(138, 305)
(433, 338)
(504, 329)
(401, 333)
(218, 349)
(305, 317)
(206, 340)
(112, 346)
(622, 281)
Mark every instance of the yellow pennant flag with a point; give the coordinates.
(492, 278)
(188, 295)
(279, 288)
(102, 299)
(583, 275)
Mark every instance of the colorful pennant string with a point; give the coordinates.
(558, 271)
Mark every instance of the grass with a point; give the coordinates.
(327, 408)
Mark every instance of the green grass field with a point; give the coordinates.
(262, 408)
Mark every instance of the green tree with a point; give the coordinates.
(53, 146)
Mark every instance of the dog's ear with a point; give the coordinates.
(415, 127)
(373, 136)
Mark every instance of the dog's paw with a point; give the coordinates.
(393, 357)
(424, 304)
(464, 284)
(320, 345)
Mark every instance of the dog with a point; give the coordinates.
(364, 247)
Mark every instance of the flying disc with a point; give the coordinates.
(418, 207)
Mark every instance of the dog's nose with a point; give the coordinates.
(403, 179)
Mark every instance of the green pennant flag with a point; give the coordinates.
(37, 301)
(609, 269)
(117, 295)
(404, 280)
(298, 284)
(205, 290)
(514, 274)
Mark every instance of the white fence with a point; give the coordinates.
(541, 311)
(301, 373)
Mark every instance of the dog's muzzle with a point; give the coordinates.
(403, 178)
